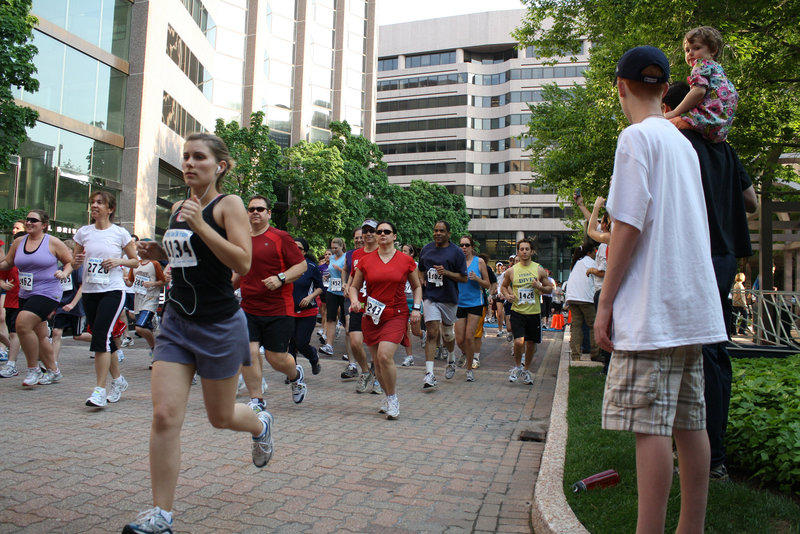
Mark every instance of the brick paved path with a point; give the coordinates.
(453, 462)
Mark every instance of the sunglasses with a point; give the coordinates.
(259, 209)
(368, 230)
(32, 220)
(385, 231)
(465, 245)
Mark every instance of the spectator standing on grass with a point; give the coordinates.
(729, 194)
(655, 382)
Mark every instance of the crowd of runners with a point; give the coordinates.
(235, 290)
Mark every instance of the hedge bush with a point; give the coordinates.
(763, 437)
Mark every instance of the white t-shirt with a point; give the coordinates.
(600, 263)
(656, 188)
(580, 288)
(99, 245)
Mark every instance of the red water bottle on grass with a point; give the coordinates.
(606, 479)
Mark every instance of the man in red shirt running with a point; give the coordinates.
(268, 303)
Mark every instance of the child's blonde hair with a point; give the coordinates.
(710, 36)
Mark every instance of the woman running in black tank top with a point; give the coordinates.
(203, 328)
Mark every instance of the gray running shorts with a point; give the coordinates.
(216, 349)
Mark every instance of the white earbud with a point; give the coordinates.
(219, 169)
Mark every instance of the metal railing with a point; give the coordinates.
(772, 319)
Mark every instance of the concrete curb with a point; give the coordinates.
(550, 513)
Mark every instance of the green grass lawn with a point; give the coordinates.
(735, 507)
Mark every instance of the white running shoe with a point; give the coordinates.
(9, 370)
(393, 409)
(241, 385)
(150, 522)
(376, 387)
(127, 342)
(462, 361)
(527, 378)
(429, 383)
(33, 376)
(384, 405)
(326, 349)
(408, 361)
(256, 405)
(50, 377)
(299, 388)
(118, 385)
(514, 374)
(120, 355)
(450, 370)
(262, 445)
(470, 376)
(323, 339)
(476, 363)
(98, 398)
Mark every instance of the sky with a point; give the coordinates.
(394, 11)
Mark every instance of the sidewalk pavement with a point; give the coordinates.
(453, 462)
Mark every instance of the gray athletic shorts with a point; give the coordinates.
(440, 311)
(216, 349)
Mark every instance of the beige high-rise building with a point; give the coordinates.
(123, 82)
(452, 108)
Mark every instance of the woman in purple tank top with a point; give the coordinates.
(37, 255)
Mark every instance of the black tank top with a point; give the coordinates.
(201, 284)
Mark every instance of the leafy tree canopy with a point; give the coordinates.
(257, 157)
(16, 70)
(314, 173)
(574, 133)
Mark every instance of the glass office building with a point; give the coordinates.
(452, 108)
(122, 83)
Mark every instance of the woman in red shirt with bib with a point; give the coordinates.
(386, 271)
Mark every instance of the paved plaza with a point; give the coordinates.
(453, 462)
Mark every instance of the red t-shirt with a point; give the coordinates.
(274, 252)
(386, 282)
(12, 295)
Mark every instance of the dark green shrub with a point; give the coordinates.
(763, 436)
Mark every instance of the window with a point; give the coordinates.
(490, 58)
(535, 73)
(183, 57)
(429, 168)
(422, 81)
(424, 146)
(426, 124)
(422, 103)
(177, 119)
(103, 23)
(425, 60)
(387, 64)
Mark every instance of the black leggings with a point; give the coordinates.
(301, 342)
(102, 310)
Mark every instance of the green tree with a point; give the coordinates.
(257, 157)
(16, 70)
(574, 133)
(424, 203)
(314, 173)
(368, 193)
(365, 175)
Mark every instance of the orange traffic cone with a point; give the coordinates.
(557, 323)
(569, 317)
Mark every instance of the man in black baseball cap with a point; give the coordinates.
(633, 65)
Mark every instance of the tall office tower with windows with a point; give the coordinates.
(123, 82)
(452, 105)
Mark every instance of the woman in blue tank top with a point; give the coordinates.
(203, 327)
(37, 255)
(470, 304)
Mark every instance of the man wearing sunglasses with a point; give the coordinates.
(367, 377)
(442, 266)
(268, 303)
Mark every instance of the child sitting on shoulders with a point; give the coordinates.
(711, 103)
